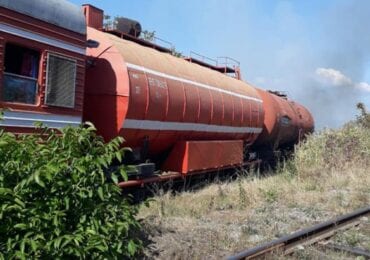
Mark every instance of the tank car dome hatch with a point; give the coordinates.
(128, 26)
(58, 12)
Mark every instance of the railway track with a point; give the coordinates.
(286, 245)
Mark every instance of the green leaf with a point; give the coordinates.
(19, 202)
(114, 178)
(20, 255)
(4, 191)
(103, 162)
(119, 156)
(21, 226)
(28, 234)
(100, 193)
(57, 242)
(37, 179)
(22, 246)
(131, 247)
(77, 243)
(123, 174)
(55, 220)
(67, 240)
(91, 231)
(119, 246)
(33, 245)
(101, 248)
(66, 201)
(80, 168)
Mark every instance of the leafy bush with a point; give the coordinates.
(55, 199)
(330, 150)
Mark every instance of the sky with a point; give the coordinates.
(316, 51)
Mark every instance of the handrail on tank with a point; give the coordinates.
(228, 61)
(157, 39)
(228, 66)
(203, 57)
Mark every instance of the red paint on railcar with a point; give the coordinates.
(285, 121)
(36, 36)
(169, 99)
(191, 156)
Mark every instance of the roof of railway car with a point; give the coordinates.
(58, 12)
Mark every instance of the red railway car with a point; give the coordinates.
(42, 63)
(160, 102)
(183, 115)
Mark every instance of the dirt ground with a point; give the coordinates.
(328, 176)
(222, 219)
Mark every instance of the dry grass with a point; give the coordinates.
(328, 176)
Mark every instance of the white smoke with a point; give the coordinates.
(363, 86)
(333, 77)
(329, 76)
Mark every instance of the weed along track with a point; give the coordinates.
(316, 235)
(327, 176)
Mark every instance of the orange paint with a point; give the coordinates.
(193, 156)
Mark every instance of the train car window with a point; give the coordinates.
(61, 81)
(20, 74)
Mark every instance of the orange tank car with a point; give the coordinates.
(149, 96)
(285, 122)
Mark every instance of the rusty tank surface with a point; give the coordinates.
(285, 122)
(152, 97)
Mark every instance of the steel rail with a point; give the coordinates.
(309, 235)
(351, 250)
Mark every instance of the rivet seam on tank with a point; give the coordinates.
(183, 126)
(161, 74)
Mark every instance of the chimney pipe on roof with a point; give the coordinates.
(94, 16)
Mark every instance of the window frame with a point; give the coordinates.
(65, 57)
(37, 79)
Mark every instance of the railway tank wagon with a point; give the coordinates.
(199, 117)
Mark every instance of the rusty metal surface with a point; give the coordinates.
(182, 101)
(164, 90)
(168, 92)
(285, 121)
